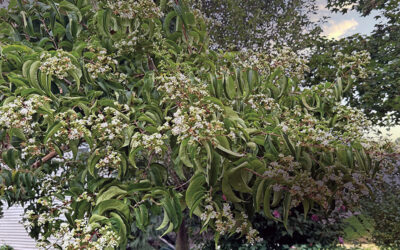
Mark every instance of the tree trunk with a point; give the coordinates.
(182, 239)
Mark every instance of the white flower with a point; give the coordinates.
(24, 111)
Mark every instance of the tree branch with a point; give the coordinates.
(46, 158)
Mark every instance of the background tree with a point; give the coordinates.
(362, 6)
(379, 92)
(260, 24)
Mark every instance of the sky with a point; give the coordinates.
(342, 25)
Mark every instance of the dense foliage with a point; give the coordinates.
(117, 112)
(383, 208)
(257, 24)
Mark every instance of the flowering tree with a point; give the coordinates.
(113, 112)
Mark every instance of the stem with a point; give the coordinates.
(166, 242)
(48, 32)
(48, 157)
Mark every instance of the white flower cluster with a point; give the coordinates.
(324, 90)
(86, 197)
(112, 159)
(226, 223)
(285, 58)
(103, 65)
(255, 60)
(293, 63)
(108, 125)
(197, 122)
(308, 130)
(132, 9)
(48, 214)
(352, 123)
(135, 40)
(85, 236)
(128, 44)
(151, 142)
(30, 148)
(179, 88)
(73, 128)
(28, 218)
(251, 233)
(355, 63)
(19, 113)
(57, 65)
(262, 101)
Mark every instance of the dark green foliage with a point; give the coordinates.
(301, 232)
(259, 24)
(363, 6)
(384, 210)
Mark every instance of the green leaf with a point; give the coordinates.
(195, 191)
(33, 74)
(286, 208)
(112, 205)
(18, 133)
(277, 198)
(259, 194)
(110, 193)
(167, 21)
(52, 130)
(92, 161)
(289, 144)
(97, 218)
(170, 228)
(122, 232)
(230, 87)
(227, 190)
(266, 203)
(237, 178)
(226, 151)
(183, 155)
(69, 7)
(165, 221)
(306, 206)
(25, 68)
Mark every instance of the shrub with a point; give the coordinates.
(311, 231)
(384, 210)
(6, 247)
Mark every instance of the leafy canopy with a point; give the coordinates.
(254, 24)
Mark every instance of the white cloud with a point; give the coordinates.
(336, 30)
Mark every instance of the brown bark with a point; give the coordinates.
(46, 158)
(182, 239)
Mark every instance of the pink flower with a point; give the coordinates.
(314, 217)
(223, 197)
(343, 208)
(276, 214)
(341, 241)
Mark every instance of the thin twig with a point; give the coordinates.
(48, 32)
(166, 242)
(48, 157)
